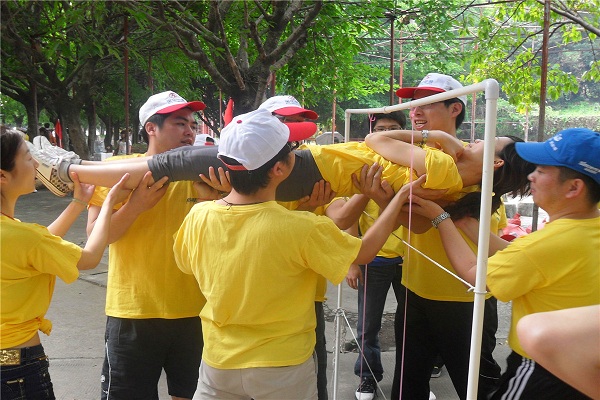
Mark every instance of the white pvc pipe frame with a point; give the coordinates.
(491, 88)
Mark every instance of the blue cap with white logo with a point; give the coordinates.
(574, 148)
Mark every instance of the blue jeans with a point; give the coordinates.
(30, 380)
(378, 279)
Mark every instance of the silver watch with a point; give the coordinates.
(438, 220)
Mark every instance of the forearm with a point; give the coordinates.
(388, 221)
(107, 174)
(397, 150)
(97, 240)
(349, 213)
(65, 220)
(415, 223)
(462, 258)
(470, 227)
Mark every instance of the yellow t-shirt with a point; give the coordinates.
(143, 279)
(258, 267)
(554, 268)
(393, 246)
(31, 260)
(426, 279)
(338, 162)
(499, 220)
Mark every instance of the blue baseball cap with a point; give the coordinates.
(574, 148)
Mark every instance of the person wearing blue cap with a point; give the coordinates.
(552, 269)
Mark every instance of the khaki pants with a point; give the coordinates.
(294, 382)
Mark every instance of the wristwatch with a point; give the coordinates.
(438, 220)
(424, 136)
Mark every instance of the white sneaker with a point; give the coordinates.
(42, 144)
(432, 396)
(47, 172)
(367, 390)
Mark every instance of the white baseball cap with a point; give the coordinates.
(287, 105)
(436, 83)
(254, 138)
(165, 103)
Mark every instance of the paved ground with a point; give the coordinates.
(75, 347)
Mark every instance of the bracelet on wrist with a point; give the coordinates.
(424, 136)
(83, 203)
(438, 220)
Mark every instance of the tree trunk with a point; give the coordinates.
(70, 120)
(90, 112)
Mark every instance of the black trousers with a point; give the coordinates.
(444, 328)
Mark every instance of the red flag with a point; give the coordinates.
(58, 131)
(228, 116)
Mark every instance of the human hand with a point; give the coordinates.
(206, 192)
(117, 193)
(424, 207)
(222, 183)
(354, 276)
(147, 194)
(321, 195)
(81, 191)
(372, 186)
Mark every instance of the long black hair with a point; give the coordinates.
(510, 178)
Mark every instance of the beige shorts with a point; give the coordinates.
(294, 382)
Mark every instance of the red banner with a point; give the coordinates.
(228, 116)
(58, 132)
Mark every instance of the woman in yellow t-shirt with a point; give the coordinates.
(29, 272)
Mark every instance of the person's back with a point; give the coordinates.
(260, 311)
(260, 301)
(261, 280)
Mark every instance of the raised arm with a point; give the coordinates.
(98, 237)
(81, 195)
(396, 146)
(462, 258)
(388, 221)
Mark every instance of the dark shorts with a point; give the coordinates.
(137, 350)
(526, 379)
(30, 379)
(186, 163)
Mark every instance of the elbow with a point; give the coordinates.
(88, 261)
(343, 223)
(364, 256)
(371, 139)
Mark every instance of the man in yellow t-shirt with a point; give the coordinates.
(152, 308)
(439, 309)
(551, 269)
(260, 287)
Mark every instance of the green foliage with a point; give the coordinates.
(508, 48)
(12, 113)
(74, 52)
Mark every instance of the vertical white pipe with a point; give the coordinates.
(338, 324)
(491, 109)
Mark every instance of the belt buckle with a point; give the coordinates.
(10, 357)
